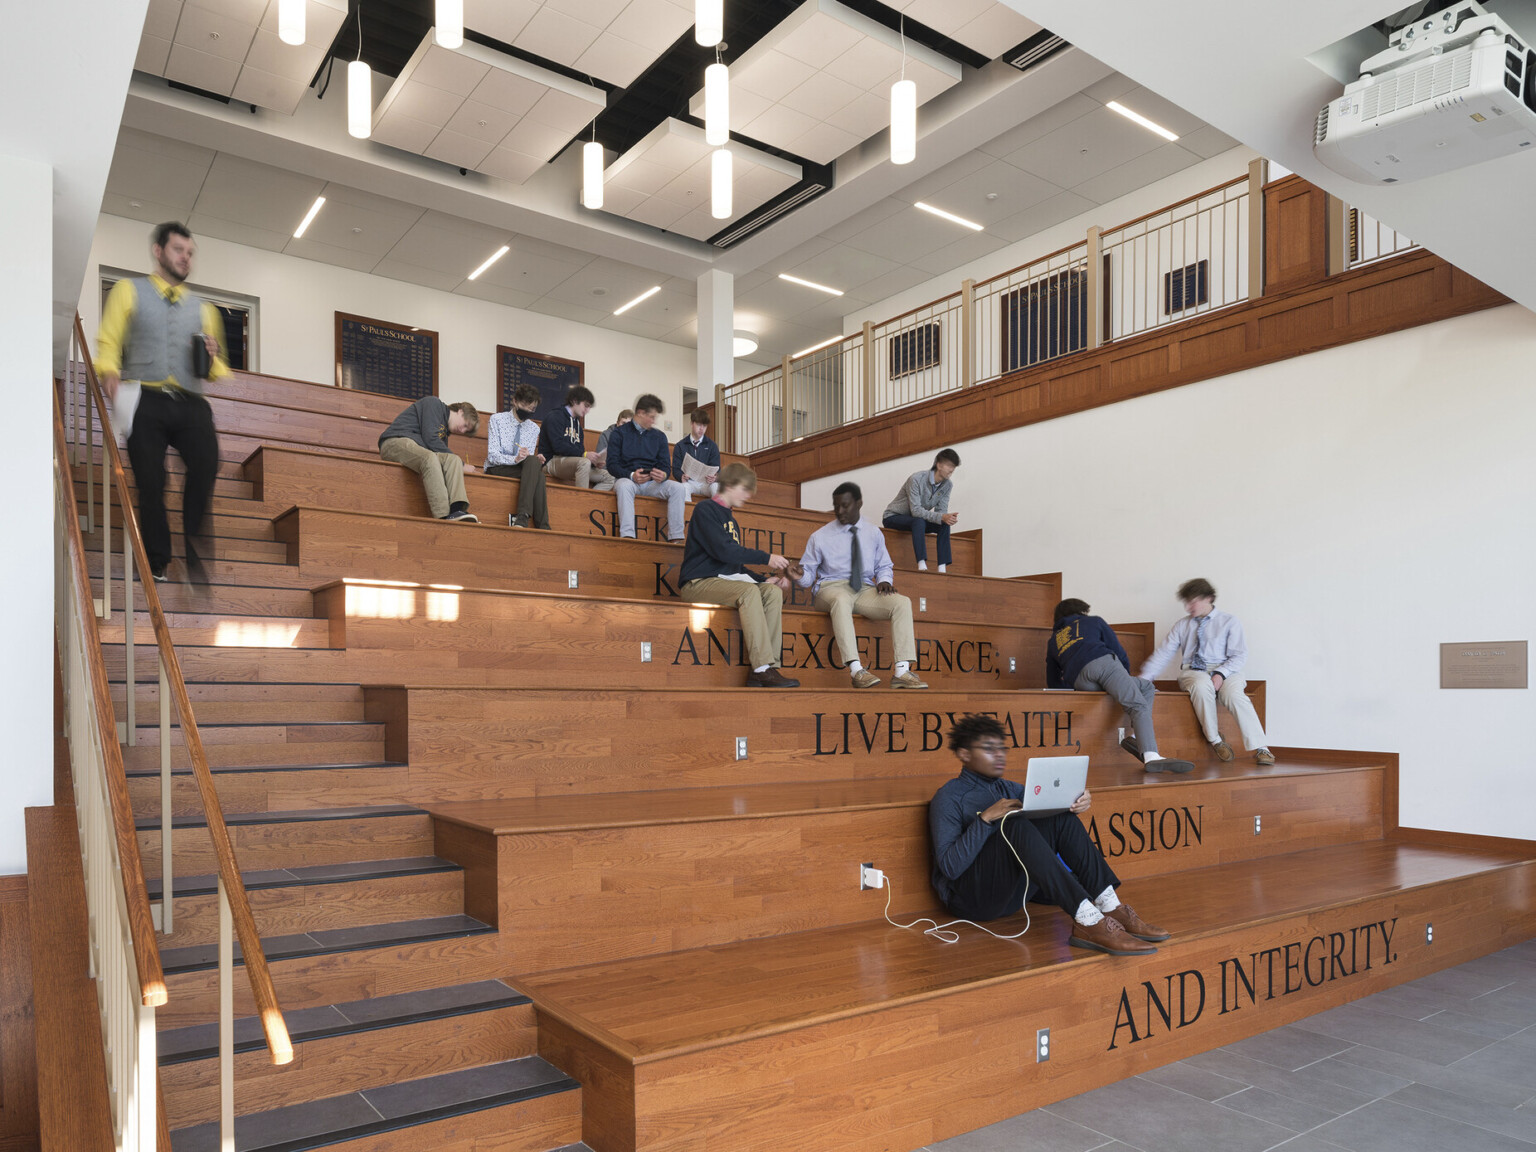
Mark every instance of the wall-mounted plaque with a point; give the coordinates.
(1484, 664)
(551, 375)
(377, 356)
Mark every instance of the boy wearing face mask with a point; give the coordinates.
(512, 451)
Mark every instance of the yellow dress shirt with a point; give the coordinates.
(118, 312)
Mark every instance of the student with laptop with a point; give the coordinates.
(990, 856)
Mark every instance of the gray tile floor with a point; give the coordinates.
(1446, 1062)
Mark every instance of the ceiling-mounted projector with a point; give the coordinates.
(1450, 90)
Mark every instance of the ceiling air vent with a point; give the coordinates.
(1036, 50)
(787, 202)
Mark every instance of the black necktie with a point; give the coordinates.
(855, 562)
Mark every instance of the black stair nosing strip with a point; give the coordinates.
(426, 1116)
(511, 998)
(173, 967)
(241, 769)
(289, 816)
(301, 877)
(211, 725)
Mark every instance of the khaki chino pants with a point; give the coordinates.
(760, 606)
(1230, 696)
(835, 598)
(442, 473)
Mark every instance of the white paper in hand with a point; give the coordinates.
(693, 469)
(124, 405)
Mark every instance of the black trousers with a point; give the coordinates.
(183, 422)
(532, 500)
(1065, 868)
(920, 529)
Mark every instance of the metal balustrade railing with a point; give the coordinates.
(91, 444)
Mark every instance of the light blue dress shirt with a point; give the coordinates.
(829, 555)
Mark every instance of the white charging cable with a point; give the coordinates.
(941, 932)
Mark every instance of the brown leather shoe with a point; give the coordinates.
(864, 678)
(1264, 756)
(1223, 750)
(1136, 926)
(907, 679)
(1108, 936)
(772, 678)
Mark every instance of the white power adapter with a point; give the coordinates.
(870, 877)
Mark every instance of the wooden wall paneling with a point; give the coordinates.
(1302, 313)
(1295, 234)
(18, 1056)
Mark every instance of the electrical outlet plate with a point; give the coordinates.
(866, 881)
(645, 651)
(1013, 665)
(741, 747)
(1258, 825)
(1042, 1045)
(1429, 933)
(922, 603)
(570, 578)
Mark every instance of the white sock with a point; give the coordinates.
(1087, 915)
(1107, 901)
(1150, 755)
(854, 667)
(922, 565)
(943, 567)
(760, 671)
(901, 667)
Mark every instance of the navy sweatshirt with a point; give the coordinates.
(705, 452)
(561, 434)
(424, 422)
(956, 826)
(1077, 642)
(714, 545)
(632, 448)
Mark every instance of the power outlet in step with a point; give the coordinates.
(1042, 1045)
(1429, 933)
(570, 578)
(870, 877)
(1258, 825)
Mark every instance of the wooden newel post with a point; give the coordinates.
(787, 389)
(1258, 176)
(967, 333)
(1095, 288)
(869, 369)
(724, 428)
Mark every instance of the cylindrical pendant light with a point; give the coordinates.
(450, 23)
(717, 105)
(903, 122)
(359, 99)
(720, 184)
(709, 22)
(290, 21)
(592, 175)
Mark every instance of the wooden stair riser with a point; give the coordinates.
(339, 977)
(316, 907)
(218, 630)
(284, 479)
(328, 544)
(278, 791)
(254, 703)
(246, 573)
(298, 751)
(227, 548)
(483, 744)
(228, 481)
(355, 1062)
(229, 515)
(790, 1092)
(590, 895)
(292, 843)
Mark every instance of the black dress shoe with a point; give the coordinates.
(772, 678)
(1130, 745)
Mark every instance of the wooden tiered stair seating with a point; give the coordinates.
(495, 853)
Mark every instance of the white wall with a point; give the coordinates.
(26, 562)
(1356, 508)
(299, 299)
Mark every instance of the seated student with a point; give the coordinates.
(847, 564)
(1211, 652)
(419, 439)
(713, 574)
(1084, 653)
(512, 450)
(606, 434)
(563, 443)
(639, 456)
(981, 852)
(922, 505)
(702, 449)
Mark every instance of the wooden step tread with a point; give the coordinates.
(656, 1006)
(201, 1041)
(236, 769)
(357, 1115)
(308, 875)
(294, 816)
(566, 813)
(200, 957)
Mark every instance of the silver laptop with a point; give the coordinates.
(1053, 784)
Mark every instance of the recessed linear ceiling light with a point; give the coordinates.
(309, 217)
(816, 347)
(951, 217)
(810, 284)
(494, 256)
(640, 299)
(1137, 117)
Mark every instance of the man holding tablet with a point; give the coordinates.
(989, 856)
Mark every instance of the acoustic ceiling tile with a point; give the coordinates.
(642, 176)
(483, 122)
(536, 139)
(414, 274)
(200, 70)
(829, 140)
(405, 133)
(268, 91)
(160, 20)
(425, 103)
(270, 55)
(779, 126)
(621, 201)
(653, 24)
(868, 64)
(462, 151)
(856, 117)
(602, 13)
(995, 31)
(774, 76)
(245, 11)
(502, 20)
(557, 36)
(237, 232)
(942, 15)
(215, 33)
(820, 39)
(309, 249)
(821, 96)
(611, 55)
(571, 111)
(496, 293)
(508, 91)
(452, 71)
(505, 164)
(152, 55)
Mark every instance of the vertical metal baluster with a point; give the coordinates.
(226, 1024)
(106, 542)
(166, 895)
(128, 611)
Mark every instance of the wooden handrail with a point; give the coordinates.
(980, 284)
(271, 1015)
(914, 311)
(748, 380)
(1177, 204)
(141, 923)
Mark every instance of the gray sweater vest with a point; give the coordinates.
(158, 344)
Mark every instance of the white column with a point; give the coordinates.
(26, 564)
(717, 314)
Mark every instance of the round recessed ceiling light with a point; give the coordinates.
(599, 291)
(991, 195)
(357, 231)
(743, 343)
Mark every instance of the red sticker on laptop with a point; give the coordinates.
(1037, 789)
